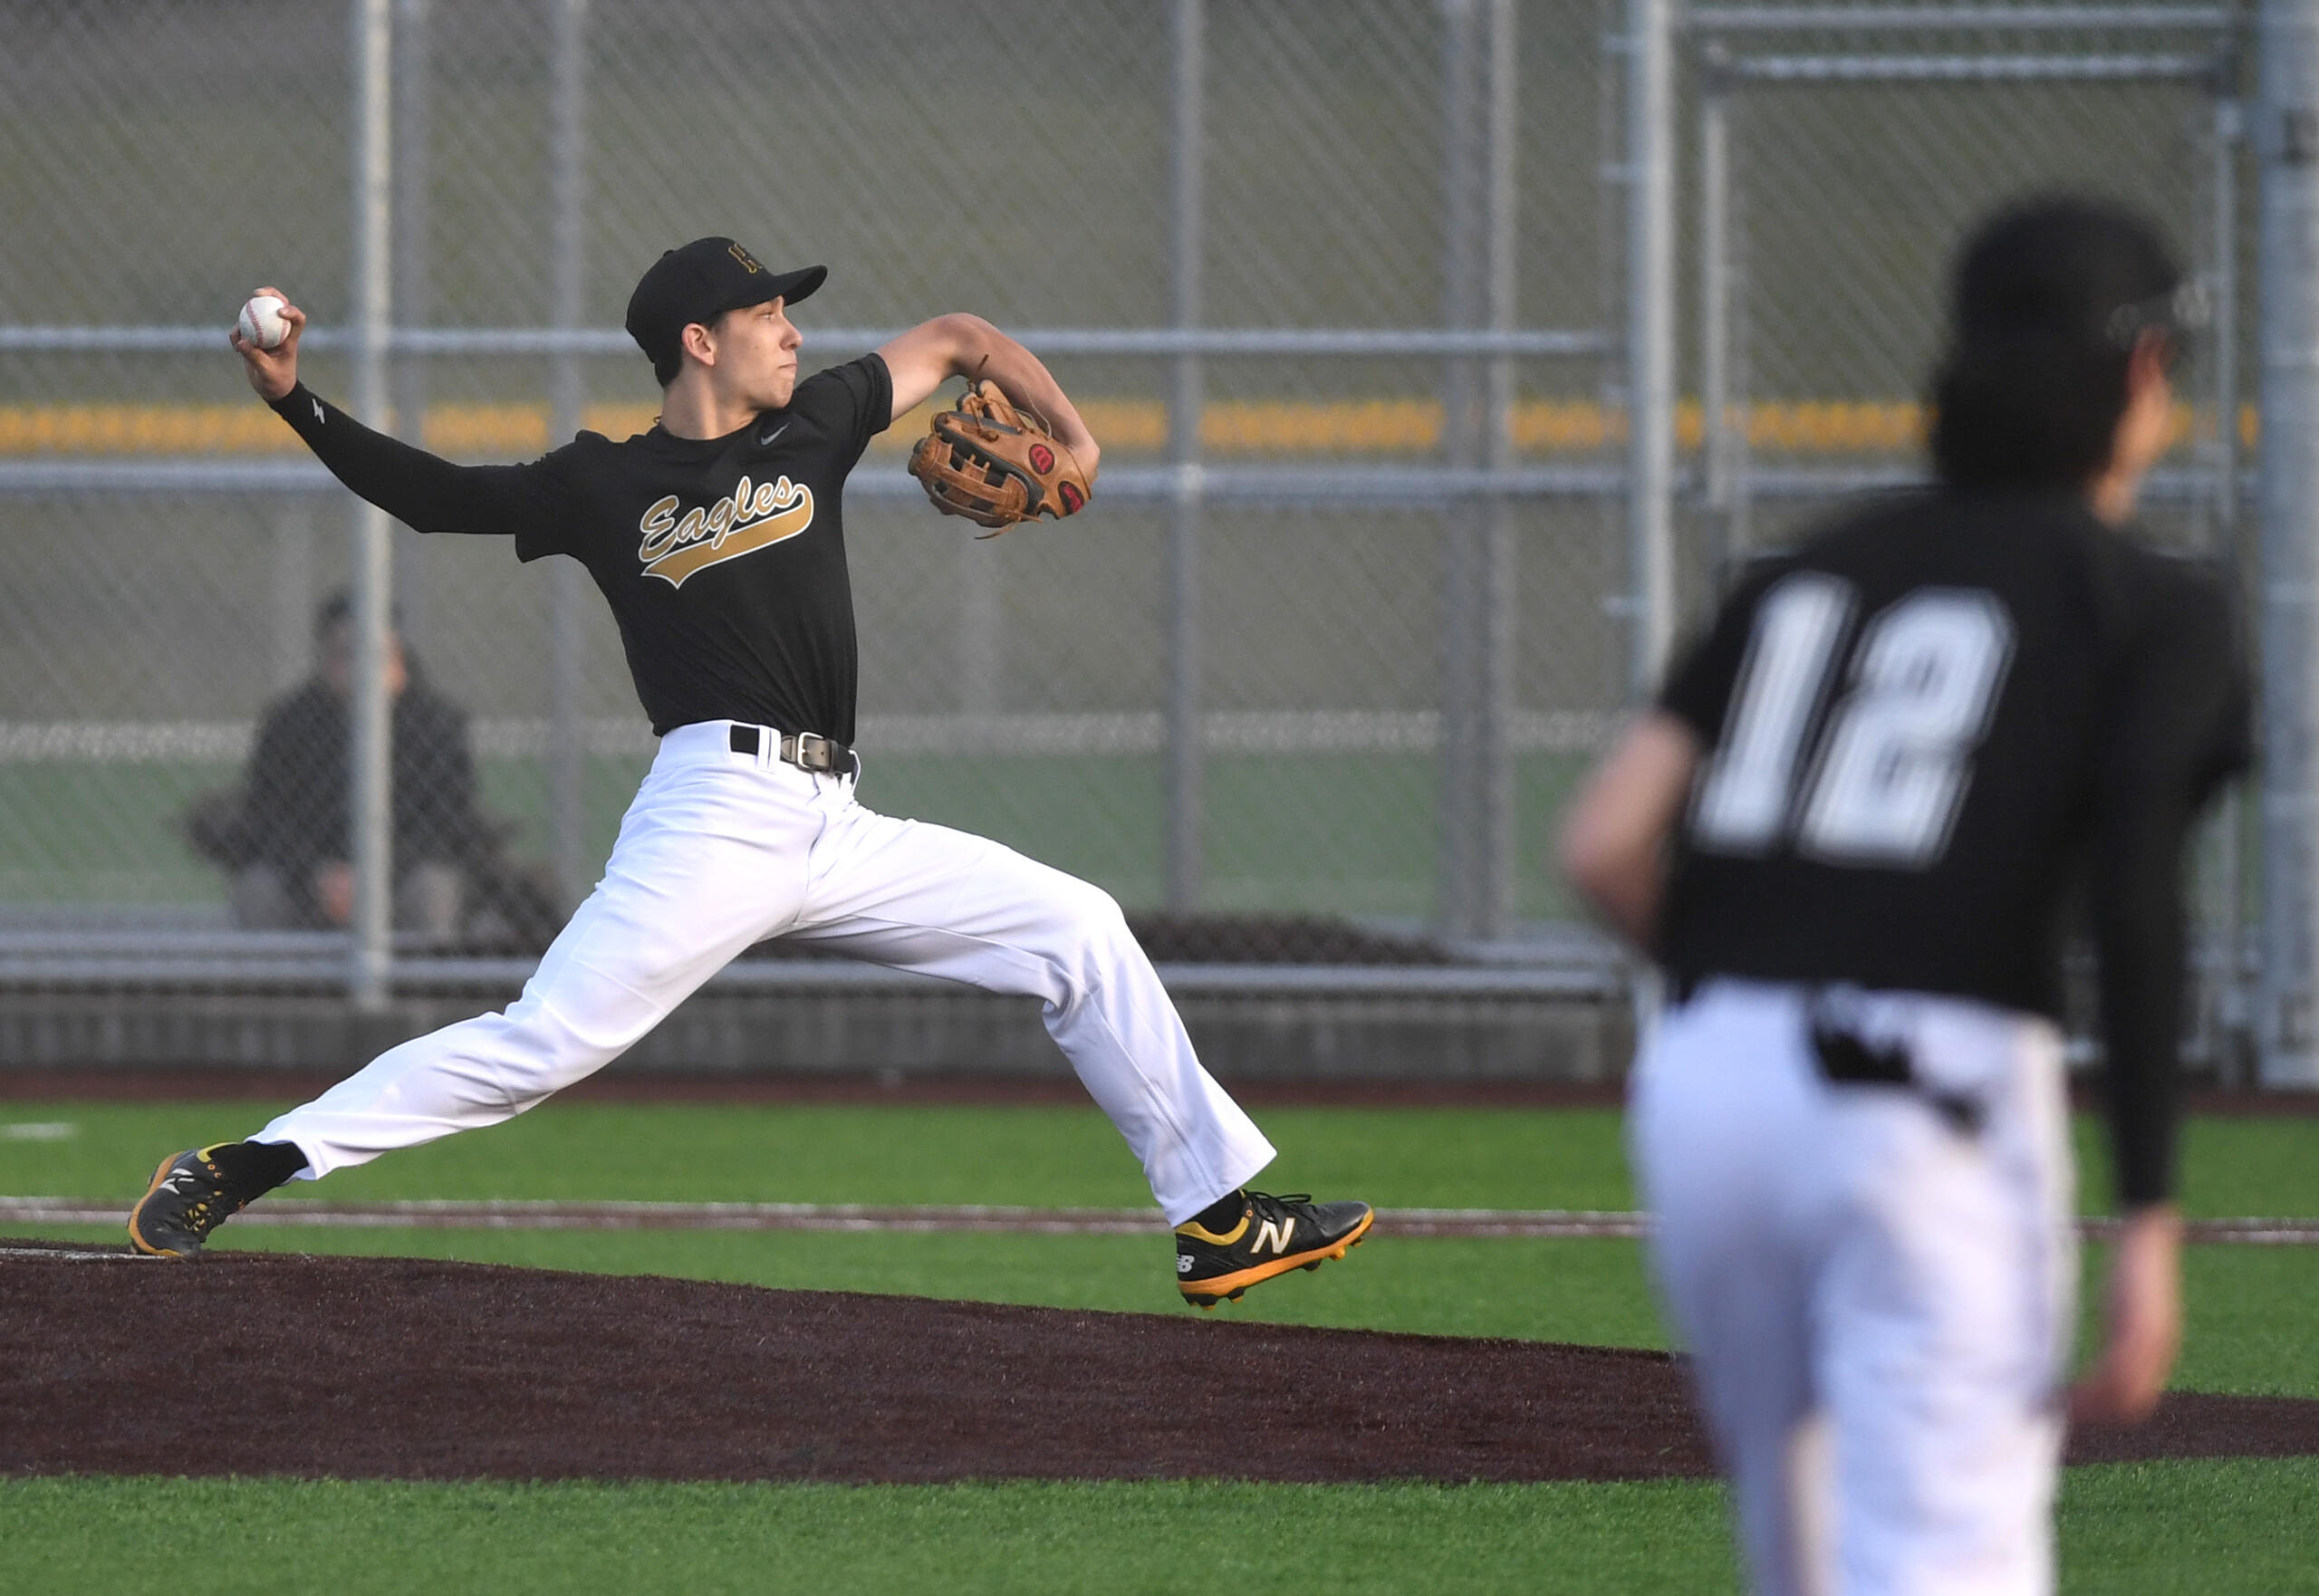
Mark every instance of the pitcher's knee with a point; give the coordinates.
(538, 1052)
(1086, 934)
(1093, 918)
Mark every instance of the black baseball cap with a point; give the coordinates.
(700, 283)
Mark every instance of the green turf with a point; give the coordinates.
(2251, 1313)
(279, 1538)
(2231, 1168)
(2218, 1528)
(1062, 1156)
(2226, 1528)
(2198, 1529)
(2250, 1308)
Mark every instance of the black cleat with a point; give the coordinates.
(1276, 1234)
(189, 1198)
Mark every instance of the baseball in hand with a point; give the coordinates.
(261, 321)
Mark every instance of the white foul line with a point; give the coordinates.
(1467, 1224)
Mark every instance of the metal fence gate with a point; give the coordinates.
(1814, 338)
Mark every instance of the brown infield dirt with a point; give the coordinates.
(252, 1364)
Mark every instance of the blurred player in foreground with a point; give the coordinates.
(716, 537)
(1848, 832)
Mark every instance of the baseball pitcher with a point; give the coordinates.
(717, 539)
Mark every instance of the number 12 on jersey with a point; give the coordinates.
(1881, 785)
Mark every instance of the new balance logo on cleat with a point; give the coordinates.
(1276, 1234)
(188, 1199)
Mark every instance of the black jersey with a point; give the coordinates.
(723, 559)
(1922, 729)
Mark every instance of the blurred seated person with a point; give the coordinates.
(284, 836)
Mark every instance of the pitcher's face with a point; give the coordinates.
(756, 354)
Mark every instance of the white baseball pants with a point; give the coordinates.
(721, 850)
(1878, 1303)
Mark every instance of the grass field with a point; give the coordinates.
(2229, 1527)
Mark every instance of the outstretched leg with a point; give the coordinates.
(925, 897)
(710, 857)
(917, 897)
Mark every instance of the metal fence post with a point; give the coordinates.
(2287, 146)
(371, 753)
(1650, 337)
(1478, 600)
(1720, 440)
(2233, 1007)
(412, 112)
(1496, 865)
(1187, 758)
(568, 589)
(2229, 132)
(412, 272)
(1464, 518)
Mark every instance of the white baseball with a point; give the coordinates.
(261, 321)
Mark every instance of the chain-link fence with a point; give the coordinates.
(1840, 152)
(1222, 693)
(1839, 165)
(1339, 283)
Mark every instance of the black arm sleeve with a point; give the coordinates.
(2176, 729)
(421, 491)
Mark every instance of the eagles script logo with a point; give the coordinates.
(753, 516)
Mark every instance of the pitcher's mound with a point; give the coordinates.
(260, 1363)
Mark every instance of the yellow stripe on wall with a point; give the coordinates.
(140, 430)
(1228, 427)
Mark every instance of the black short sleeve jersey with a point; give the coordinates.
(1923, 729)
(723, 559)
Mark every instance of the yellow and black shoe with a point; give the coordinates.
(191, 1196)
(1275, 1234)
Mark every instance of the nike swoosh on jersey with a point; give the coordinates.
(777, 432)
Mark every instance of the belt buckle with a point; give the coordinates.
(812, 752)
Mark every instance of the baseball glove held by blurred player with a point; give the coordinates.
(995, 465)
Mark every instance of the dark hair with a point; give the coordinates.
(668, 367)
(338, 611)
(2049, 297)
